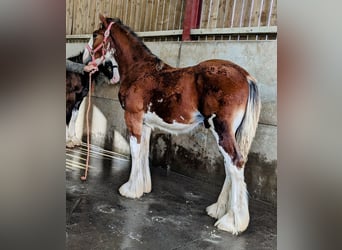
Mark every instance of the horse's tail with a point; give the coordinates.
(246, 131)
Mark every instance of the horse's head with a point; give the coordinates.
(103, 56)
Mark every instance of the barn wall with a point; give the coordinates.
(196, 154)
(157, 15)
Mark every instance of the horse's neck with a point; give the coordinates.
(131, 52)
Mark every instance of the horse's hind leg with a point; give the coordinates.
(232, 204)
(219, 208)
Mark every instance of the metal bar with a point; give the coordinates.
(160, 33)
(191, 16)
(197, 7)
(84, 36)
(213, 31)
(236, 30)
(187, 20)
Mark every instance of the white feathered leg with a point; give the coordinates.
(219, 208)
(140, 178)
(134, 187)
(72, 140)
(236, 219)
(231, 207)
(145, 142)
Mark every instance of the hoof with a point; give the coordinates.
(216, 211)
(130, 190)
(76, 141)
(70, 144)
(234, 224)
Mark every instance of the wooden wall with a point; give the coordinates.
(158, 15)
(82, 16)
(238, 13)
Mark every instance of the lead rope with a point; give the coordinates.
(92, 52)
(84, 178)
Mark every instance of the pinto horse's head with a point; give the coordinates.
(103, 56)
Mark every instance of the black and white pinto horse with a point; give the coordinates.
(77, 87)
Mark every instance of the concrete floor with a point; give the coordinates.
(172, 216)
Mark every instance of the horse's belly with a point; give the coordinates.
(152, 120)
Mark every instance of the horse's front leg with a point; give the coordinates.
(71, 139)
(140, 179)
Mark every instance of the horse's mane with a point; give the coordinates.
(129, 31)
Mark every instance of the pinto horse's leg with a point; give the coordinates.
(231, 207)
(140, 178)
(72, 140)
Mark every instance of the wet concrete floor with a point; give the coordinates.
(172, 216)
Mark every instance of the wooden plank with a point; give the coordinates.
(166, 14)
(93, 19)
(138, 19)
(83, 16)
(107, 8)
(142, 15)
(229, 13)
(273, 21)
(254, 17)
(77, 13)
(247, 13)
(154, 15)
(221, 13)
(124, 16)
(129, 12)
(213, 15)
(179, 14)
(205, 14)
(237, 13)
(150, 25)
(147, 14)
(264, 12)
(255, 13)
(69, 16)
(114, 8)
(97, 11)
(172, 14)
(158, 17)
(118, 9)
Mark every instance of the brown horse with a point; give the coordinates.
(218, 93)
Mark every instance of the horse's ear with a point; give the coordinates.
(103, 19)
